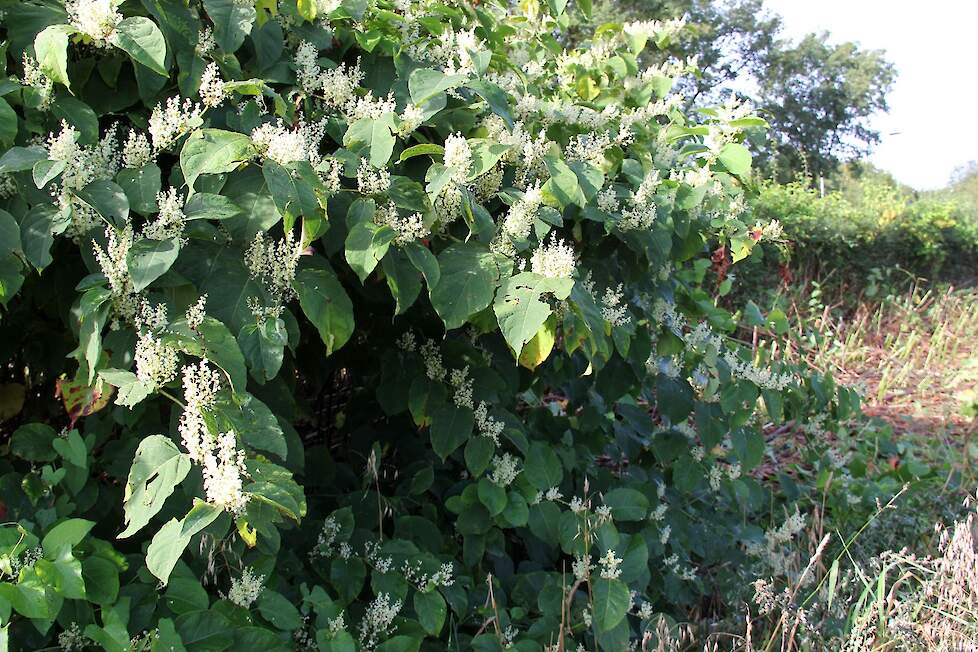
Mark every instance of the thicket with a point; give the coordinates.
(351, 325)
(865, 231)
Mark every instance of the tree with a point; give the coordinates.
(817, 96)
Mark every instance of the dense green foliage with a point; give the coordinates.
(817, 96)
(388, 336)
(867, 228)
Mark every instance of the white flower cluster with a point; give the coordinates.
(462, 383)
(171, 120)
(613, 309)
(212, 90)
(82, 165)
(114, 265)
(610, 565)
(72, 639)
(406, 229)
(274, 263)
(414, 574)
(554, 259)
(378, 621)
(307, 70)
(458, 161)
(589, 148)
(246, 588)
(156, 362)
(641, 212)
(653, 29)
(205, 41)
(284, 145)
(223, 469)
(523, 213)
(170, 220)
(137, 151)
(505, 468)
(196, 313)
(433, 365)
(371, 181)
(487, 425)
(201, 384)
(36, 79)
(96, 19)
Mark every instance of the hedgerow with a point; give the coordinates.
(376, 326)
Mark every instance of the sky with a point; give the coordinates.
(929, 130)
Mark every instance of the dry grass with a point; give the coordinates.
(913, 356)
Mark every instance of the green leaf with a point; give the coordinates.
(150, 259)
(109, 200)
(213, 151)
(431, 610)
(451, 426)
(208, 206)
(32, 442)
(141, 187)
(8, 124)
(468, 277)
(221, 348)
(19, 159)
(157, 469)
(167, 639)
(495, 97)
(518, 307)
(543, 468)
(736, 158)
(430, 149)
(563, 185)
(131, 390)
(253, 422)
(68, 532)
(277, 610)
(627, 504)
(79, 115)
(51, 50)
(327, 305)
(142, 40)
(232, 22)
(375, 133)
(263, 346)
(611, 601)
(425, 83)
(366, 244)
(171, 540)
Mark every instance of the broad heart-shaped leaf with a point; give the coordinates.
(8, 124)
(495, 97)
(425, 83)
(157, 469)
(46, 171)
(232, 22)
(611, 601)
(263, 346)
(543, 468)
(374, 133)
(51, 49)
(221, 348)
(518, 307)
(19, 159)
(171, 540)
(430, 607)
(563, 186)
(403, 279)
(141, 187)
(467, 282)
(143, 41)
(627, 504)
(131, 390)
(274, 486)
(208, 206)
(326, 304)
(213, 151)
(109, 200)
(736, 158)
(150, 259)
(68, 532)
(251, 420)
(451, 426)
(366, 244)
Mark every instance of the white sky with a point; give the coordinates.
(933, 102)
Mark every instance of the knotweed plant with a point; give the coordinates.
(441, 373)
